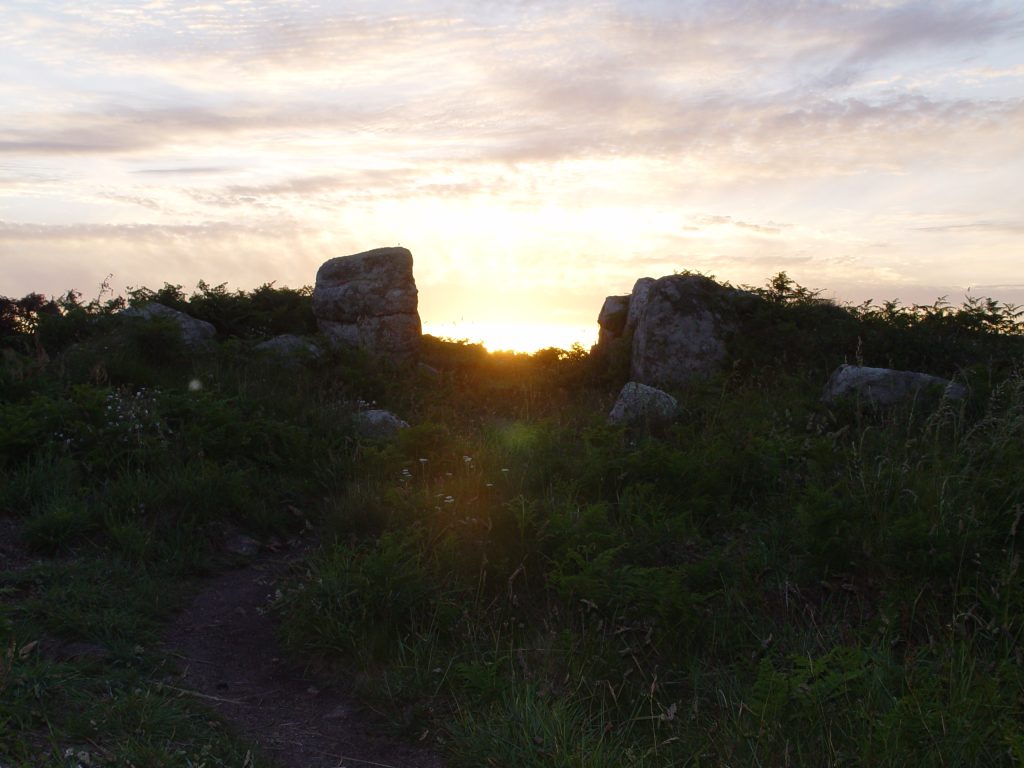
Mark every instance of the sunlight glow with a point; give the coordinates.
(516, 337)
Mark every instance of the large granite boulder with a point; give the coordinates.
(683, 329)
(194, 333)
(640, 405)
(369, 300)
(884, 387)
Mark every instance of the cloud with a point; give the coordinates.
(1000, 227)
(725, 89)
(121, 129)
(128, 199)
(903, 29)
(15, 232)
(356, 186)
(702, 222)
(116, 130)
(16, 177)
(211, 170)
(55, 258)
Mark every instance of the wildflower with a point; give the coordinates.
(467, 459)
(195, 385)
(489, 485)
(423, 461)
(449, 499)
(505, 470)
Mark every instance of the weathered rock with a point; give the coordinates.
(681, 334)
(639, 404)
(378, 424)
(242, 545)
(194, 333)
(637, 303)
(290, 347)
(369, 300)
(612, 318)
(396, 337)
(885, 387)
(619, 314)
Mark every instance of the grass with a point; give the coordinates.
(770, 581)
(128, 461)
(81, 678)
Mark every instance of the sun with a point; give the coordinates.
(515, 337)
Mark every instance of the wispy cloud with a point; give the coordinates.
(999, 227)
(210, 170)
(730, 79)
(79, 255)
(905, 29)
(703, 222)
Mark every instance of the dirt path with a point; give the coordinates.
(13, 556)
(228, 653)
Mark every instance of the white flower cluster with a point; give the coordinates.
(132, 416)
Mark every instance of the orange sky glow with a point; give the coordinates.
(534, 157)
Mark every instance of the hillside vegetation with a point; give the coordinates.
(769, 581)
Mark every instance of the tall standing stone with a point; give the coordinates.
(369, 300)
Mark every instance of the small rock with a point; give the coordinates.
(290, 348)
(195, 333)
(378, 424)
(241, 545)
(639, 404)
(884, 387)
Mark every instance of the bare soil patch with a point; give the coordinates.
(228, 652)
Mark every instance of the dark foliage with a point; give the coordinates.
(264, 311)
(768, 581)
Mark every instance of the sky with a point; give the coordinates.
(534, 155)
